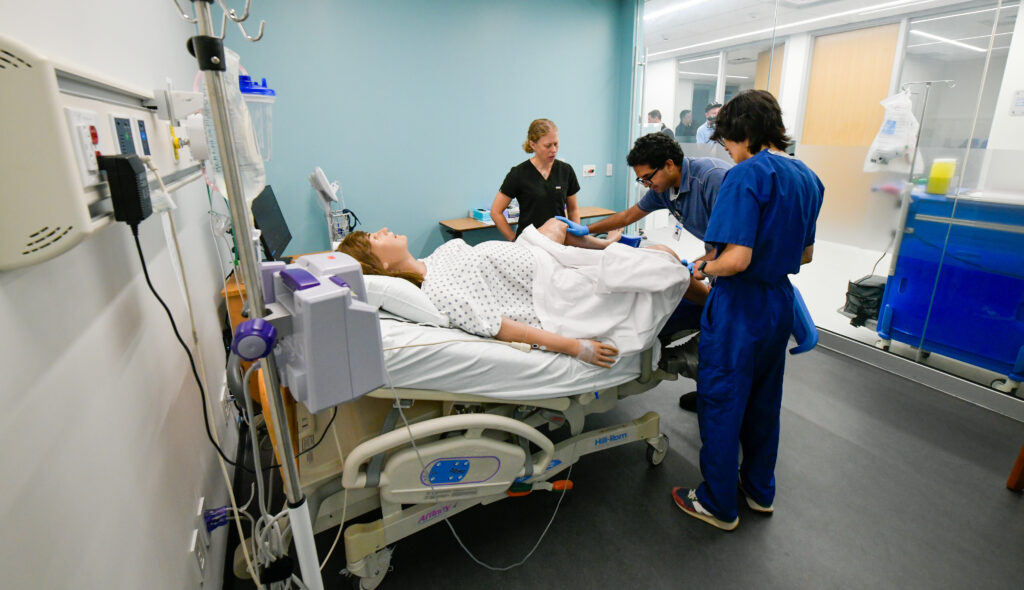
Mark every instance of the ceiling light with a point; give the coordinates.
(945, 40)
(713, 75)
(674, 8)
(690, 61)
(926, 20)
(891, 6)
(786, 26)
(958, 39)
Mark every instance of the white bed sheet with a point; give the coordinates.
(477, 366)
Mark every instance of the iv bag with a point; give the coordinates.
(250, 163)
(893, 147)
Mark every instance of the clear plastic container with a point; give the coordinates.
(250, 163)
(260, 101)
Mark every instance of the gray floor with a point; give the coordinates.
(882, 483)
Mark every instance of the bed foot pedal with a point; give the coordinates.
(521, 489)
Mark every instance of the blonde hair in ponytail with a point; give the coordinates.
(538, 129)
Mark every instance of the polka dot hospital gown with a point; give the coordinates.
(475, 286)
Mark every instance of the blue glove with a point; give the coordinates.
(687, 264)
(574, 228)
(631, 241)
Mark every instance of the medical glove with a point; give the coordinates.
(687, 264)
(631, 241)
(596, 353)
(574, 228)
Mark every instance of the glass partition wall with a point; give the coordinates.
(924, 260)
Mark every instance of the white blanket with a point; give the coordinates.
(619, 295)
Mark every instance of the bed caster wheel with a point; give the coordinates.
(1005, 385)
(369, 572)
(883, 344)
(657, 448)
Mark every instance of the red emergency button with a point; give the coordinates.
(94, 135)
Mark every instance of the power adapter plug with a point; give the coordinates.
(129, 187)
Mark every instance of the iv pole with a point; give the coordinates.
(209, 52)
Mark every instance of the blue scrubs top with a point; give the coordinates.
(700, 179)
(770, 203)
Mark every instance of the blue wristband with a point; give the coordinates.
(574, 228)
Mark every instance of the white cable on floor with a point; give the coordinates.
(437, 502)
(344, 501)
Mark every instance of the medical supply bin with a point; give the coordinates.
(977, 315)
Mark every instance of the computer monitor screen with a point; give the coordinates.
(274, 234)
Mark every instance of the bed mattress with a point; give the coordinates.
(464, 363)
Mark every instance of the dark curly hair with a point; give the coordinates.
(653, 149)
(753, 115)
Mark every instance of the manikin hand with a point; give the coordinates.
(596, 353)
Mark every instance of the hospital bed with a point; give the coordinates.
(480, 412)
(460, 421)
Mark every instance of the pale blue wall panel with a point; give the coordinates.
(419, 108)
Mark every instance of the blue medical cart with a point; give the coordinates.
(978, 313)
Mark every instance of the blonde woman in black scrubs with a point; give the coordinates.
(543, 186)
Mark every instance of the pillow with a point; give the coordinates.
(402, 298)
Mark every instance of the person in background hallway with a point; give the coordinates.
(654, 118)
(704, 131)
(686, 131)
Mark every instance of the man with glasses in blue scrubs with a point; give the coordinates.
(688, 188)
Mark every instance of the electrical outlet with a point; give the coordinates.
(200, 522)
(608, 170)
(227, 406)
(196, 548)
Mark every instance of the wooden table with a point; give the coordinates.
(456, 227)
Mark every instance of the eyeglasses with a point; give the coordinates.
(646, 178)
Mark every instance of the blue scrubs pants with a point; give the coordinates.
(686, 316)
(744, 332)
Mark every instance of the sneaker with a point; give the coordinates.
(687, 501)
(688, 402)
(769, 509)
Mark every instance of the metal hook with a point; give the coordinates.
(233, 15)
(223, 26)
(258, 36)
(182, 13)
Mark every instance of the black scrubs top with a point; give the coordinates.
(539, 199)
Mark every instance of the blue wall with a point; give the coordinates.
(419, 108)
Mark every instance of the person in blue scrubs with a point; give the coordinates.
(762, 228)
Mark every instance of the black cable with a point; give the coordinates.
(322, 437)
(195, 372)
(192, 362)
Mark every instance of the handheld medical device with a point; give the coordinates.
(339, 222)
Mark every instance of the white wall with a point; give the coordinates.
(104, 453)
(796, 68)
(660, 90)
(1001, 171)
(684, 100)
